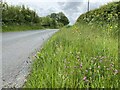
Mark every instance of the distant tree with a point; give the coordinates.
(62, 18)
(45, 21)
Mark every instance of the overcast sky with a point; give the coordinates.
(71, 8)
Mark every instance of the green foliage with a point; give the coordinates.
(49, 22)
(106, 14)
(60, 18)
(21, 15)
(18, 15)
(55, 20)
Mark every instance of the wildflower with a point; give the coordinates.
(116, 72)
(100, 60)
(90, 68)
(91, 61)
(86, 70)
(111, 65)
(98, 66)
(81, 65)
(84, 78)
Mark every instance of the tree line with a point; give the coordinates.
(21, 15)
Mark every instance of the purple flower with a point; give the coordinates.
(84, 78)
(81, 65)
(111, 65)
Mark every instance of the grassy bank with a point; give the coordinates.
(82, 56)
(78, 57)
(12, 28)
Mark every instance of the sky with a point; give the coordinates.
(71, 8)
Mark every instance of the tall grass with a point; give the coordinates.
(9, 28)
(81, 56)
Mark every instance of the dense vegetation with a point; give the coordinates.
(107, 16)
(82, 56)
(21, 17)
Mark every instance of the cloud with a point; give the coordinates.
(71, 6)
(71, 9)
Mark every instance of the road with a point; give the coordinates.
(18, 48)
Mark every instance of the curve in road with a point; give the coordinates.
(17, 47)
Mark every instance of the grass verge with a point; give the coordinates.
(81, 56)
(12, 28)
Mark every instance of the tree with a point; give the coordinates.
(62, 18)
(21, 15)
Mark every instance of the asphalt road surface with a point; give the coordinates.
(18, 48)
